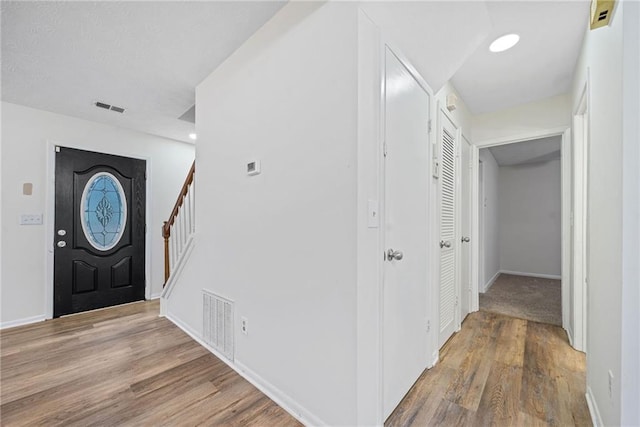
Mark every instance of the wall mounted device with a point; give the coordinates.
(452, 101)
(601, 12)
(253, 167)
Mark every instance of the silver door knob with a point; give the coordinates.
(62, 244)
(391, 255)
(445, 244)
(465, 240)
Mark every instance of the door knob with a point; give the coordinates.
(445, 244)
(62, 244)
(391, 255)
(465, 240)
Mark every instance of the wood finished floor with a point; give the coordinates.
(500, 371)
(122, 366)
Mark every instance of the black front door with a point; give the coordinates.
(99, 231)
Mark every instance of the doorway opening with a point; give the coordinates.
(521, 243)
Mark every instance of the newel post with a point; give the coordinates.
(166, 232)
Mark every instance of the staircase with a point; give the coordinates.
(179, 231)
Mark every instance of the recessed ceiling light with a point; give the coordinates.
(505, 42)
(193, 136)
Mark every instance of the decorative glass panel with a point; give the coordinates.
(103, 211)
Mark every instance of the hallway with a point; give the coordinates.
(500, 370)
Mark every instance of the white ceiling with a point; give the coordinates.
(147, 57)
(423, 32)
(528, 152)
(539, 66)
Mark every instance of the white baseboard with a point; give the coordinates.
(491, 281)
(435, 358)
(593, 409)
(155, 296)
(280, 398)
(541, 276)
(23, 321)
(569, 335)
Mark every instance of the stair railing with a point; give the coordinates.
(178, 230)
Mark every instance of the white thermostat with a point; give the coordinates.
(253, 167)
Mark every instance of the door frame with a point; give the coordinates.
(565, 215)
(469, 306)
(370, 239)
(443, 114)
(431, 219)
(477, 226)
(382, 187)
(49, 215)
(580, 274)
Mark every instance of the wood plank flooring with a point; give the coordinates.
(500, 371)
(127, 366)
(122, 366)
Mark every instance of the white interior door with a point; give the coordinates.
(406, 173)
(449, 244)
(465, 228)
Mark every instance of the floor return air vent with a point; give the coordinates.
(217, 319)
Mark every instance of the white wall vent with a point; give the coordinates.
(217, 319)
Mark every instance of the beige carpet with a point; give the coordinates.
(530, 298)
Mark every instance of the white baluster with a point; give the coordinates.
(193, 205)
(187, 204)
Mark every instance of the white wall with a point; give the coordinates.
(490, 244)
(630, 334)
(529, 220)
(25, 132)
(601, 60)
(524, 122)
(282, 244)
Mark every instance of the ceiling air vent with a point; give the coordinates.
(109, 107)
(601, 11)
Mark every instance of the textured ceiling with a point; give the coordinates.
(528, 152)
(540, 66)
(147, 57)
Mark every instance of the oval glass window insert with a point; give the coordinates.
(103, 211)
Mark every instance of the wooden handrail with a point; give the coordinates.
(166, 228)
